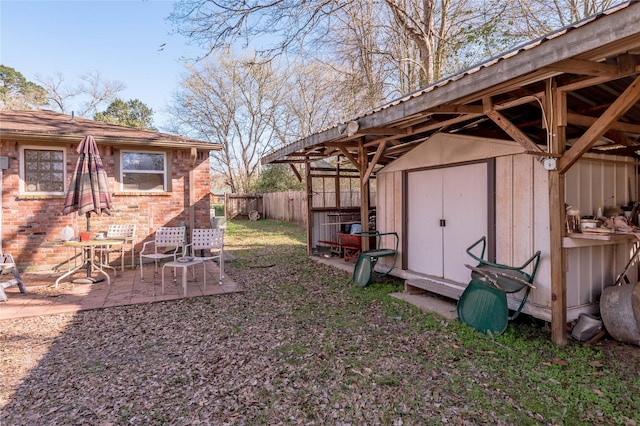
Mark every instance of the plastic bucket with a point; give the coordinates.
(355, 228)
(219, 222)
(616, 309)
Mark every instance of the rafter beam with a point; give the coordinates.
(456, 109)
(381, 131)
(374, 161)
(579, 66)
(626, 100)
(296, 172)
(350, 157)
(586, 121)
(445, 123)
(508, 127)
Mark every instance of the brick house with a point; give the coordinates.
(37, 159)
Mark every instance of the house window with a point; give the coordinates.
(43, 171)
(143, 171)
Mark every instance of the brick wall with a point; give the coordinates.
(32, 227)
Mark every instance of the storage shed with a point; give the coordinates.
(500, 150)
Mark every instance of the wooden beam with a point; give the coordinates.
(586, 121)
(445, 123)
(509, 127)
(382, 131)
(309, 190)
(364, 195)
(392, 139)
(557, 258)
(557, 255)
(627, 64)
(626, 100)
(350, 157)
(578, 66)
(456, 109)
(374, 161)
(295, 172)
(587, 82)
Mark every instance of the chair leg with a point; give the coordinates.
(221, 264)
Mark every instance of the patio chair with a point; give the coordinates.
(210, 244)
(168, 243)
(126, 232)
(483, 304)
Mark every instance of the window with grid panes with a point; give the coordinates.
(43, 171)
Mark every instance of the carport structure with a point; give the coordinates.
(552, 122)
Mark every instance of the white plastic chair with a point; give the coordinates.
(211, 241)
(126, 232)
(168, 242)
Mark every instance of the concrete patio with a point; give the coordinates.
(42, 298)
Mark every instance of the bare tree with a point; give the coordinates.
(234, 102)
(87, 96)
(357, 42)
(378, 50)
(530, 19)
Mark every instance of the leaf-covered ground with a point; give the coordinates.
(301, 345)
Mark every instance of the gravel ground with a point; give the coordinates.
(295, 348)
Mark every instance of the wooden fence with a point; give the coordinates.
(240, 205)
(290, 206)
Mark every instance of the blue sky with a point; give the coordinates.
(121, 39)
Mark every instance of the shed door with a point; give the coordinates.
(447, 212)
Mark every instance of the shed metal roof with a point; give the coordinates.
(593, 61)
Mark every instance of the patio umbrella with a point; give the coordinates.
(88, 190)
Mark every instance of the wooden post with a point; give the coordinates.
(364, 193)
(556, 130)
(309, 188)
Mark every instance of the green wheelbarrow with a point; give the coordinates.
(364, 269)
(483, 304)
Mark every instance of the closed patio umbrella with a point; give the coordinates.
(88, 190)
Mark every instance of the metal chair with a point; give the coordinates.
(125, 232)
(168, 242)
(211, 243)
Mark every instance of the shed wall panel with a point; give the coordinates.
(522, 216)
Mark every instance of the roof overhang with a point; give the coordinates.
(158, 142)
(43, 126)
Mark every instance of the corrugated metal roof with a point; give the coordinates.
(525, 64)
(492, 61)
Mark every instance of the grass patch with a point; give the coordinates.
(519, 377)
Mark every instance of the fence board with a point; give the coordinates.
(290, 206)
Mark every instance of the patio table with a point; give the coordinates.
(88, 259)
(185, 266)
